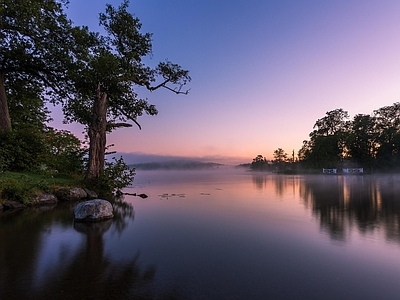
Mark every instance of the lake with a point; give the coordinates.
(221, 234)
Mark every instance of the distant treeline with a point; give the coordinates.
(176, 165)
(371, 141)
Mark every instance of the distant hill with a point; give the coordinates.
(176, 165)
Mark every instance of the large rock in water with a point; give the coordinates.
(93, 210)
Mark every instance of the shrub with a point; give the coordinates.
(117, 175)
(21, 149)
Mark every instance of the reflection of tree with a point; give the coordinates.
(86, 274)
(123, 212)
(366, 202)
(92, 275)
(260, 181)
(281, 183)
(326, 199)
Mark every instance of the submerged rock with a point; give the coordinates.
(93, 210)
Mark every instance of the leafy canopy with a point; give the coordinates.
(115, 62)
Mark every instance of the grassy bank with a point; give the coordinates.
(23, 187)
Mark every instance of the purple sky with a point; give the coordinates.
(262, 71)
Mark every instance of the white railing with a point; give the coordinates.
(353, 170)
(329, 171)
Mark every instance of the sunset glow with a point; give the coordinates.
(262, 71)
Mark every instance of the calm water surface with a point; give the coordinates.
(226, 234)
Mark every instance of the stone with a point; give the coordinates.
(93, 210)
(45, 199)
(71, 194)
(9, 204)
(90, 194)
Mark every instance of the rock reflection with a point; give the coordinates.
(81, 272)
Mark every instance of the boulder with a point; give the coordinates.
(90, 194)
(93, 210)
(71, 194)
(9, 204)
(45, 199)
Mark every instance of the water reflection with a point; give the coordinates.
(282, 183)
(45, 259)
(341, 203)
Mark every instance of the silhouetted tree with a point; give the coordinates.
(114, 65)
(280, 156)
(362, 140)
(327, 144)
(388, 138)
(259, 163)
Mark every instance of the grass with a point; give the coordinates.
(23, 186)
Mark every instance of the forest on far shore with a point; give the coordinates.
(369, 141)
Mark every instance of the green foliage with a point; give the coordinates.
(22, 149)
(37, 45)
(117, 175)
(64, 152)
(25, 104)
(21, 189)
(28, 148)
(115, 61)
(23, 186)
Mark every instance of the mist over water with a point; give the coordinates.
(216, 234)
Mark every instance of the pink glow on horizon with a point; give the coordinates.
(263, 73)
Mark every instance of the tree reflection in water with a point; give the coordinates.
(86, 273)
(368, 203)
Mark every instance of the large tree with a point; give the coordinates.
(327, 144)
(106, 77)
(37, 46)
(388, 134)
(362, 140)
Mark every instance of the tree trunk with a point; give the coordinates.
(97, 136)
(5, 121)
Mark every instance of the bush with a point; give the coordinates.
(64, 152)
(30, 149)
(117, 175)
(21, 149)
(21, 189)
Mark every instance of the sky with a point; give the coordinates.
(263, 71)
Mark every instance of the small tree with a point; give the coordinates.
(259, 163)
(280, 156)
